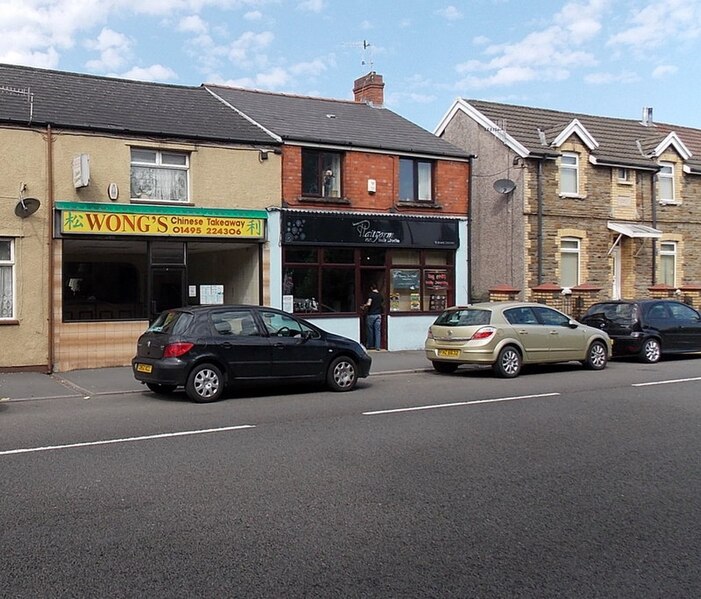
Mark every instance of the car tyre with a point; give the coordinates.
(597, 356)
(508, 364)
(651, 351)
(161, 389)
(342, 374)
(205, 383)
(445, 367)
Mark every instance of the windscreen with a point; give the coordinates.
(171, 322)
(463, 317)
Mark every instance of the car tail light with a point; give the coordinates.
(483, 333)
(175, 350)
(430, 334)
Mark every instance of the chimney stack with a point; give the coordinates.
(370, 89)
(647, 116)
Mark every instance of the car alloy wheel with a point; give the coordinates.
(342, 374)
(651, 351)
(205, 383)
(597, 356)
(508, 364)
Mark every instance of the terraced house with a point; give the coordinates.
(570, 208)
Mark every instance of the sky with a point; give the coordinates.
(601, 57)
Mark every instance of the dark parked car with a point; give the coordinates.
(647, 328)
(209, 348)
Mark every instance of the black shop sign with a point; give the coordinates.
(364, 230)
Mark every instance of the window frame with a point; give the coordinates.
(624, 175)
(337, 159)
(666, 179)
(570, 251)
(564, 167)
(160, 165)
(11, 264)
(416, 185)
(665, 254)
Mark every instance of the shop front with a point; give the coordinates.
(120, 265)
(330, 261)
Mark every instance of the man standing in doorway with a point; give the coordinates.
(374, 318)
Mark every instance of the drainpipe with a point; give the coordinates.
(540, 222)
(50, 240)
(470, 189)
(653, 197)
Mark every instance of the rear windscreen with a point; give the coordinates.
(464, 317)
(172, 323)
(621, 313)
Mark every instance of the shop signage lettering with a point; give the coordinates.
(370, 235)
(102, 223)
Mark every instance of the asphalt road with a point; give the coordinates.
(561, 483)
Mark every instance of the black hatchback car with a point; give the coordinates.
(209, 348)
(647, 328)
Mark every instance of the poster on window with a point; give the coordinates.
(212, 294)
(405, 279)
(436, 279)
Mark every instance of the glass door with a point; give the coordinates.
(167, 289)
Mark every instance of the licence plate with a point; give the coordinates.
(448, 353)
(144, 368)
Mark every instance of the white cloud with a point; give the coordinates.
(547, 54)
(253, 15)
(249, 43)
(312, 5)
(192, 24)
(311, 68)
(450, 13)
(663, 71)
(480, 40)
(155, 72)
(114, 48)
(609, 78)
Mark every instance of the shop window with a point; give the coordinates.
(569, 261)
(104, 280)
(668, 263)
(7, 277)
(321, 174)
(415, 180)
(159, 175)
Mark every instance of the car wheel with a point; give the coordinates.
(161, 389)
(508, 364)
(205, 383)
(444, 367)
(597, 356)
(342, 374)
(651, 351)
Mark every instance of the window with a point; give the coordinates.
(668, 263)
(159, 175)
(415, 180)
(550, 317)
(569, 174)
(420, 280)
(321, 174)
(569, 262)
(7, 278)
(623, 175)
(665, 182)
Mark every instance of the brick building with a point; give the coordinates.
(367, 197)
(569, 208)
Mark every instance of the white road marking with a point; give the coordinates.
(127, 439)
(460, 403)
(696, 378)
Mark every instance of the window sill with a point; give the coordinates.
(624, 182)
(428, 205)
(572, 196)
(8, 321)
(669, 202)
(327, 200)
(161, 202)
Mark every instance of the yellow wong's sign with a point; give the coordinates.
(178, 225)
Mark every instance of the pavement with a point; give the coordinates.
(21, 386)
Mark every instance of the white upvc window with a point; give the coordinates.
(159, 175)
(569, 174)
(665, 182)
(668, 263)
(7, 278)
(624, 175)
(569, 261)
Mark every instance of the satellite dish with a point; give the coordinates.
(27, 206)
(504, 186)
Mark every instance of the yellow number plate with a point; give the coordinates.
(448, 353)
(144, 368)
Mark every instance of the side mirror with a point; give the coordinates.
(573, 324)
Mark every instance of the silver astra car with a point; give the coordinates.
(507, 335)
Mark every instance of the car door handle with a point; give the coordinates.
(278, 345)
(523, 332)
(554, 332)
(227, 345)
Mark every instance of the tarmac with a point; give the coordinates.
(23, 386)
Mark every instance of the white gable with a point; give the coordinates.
(576, 128)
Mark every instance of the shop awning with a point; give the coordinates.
(632, 230)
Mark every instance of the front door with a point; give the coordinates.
(167, 289)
